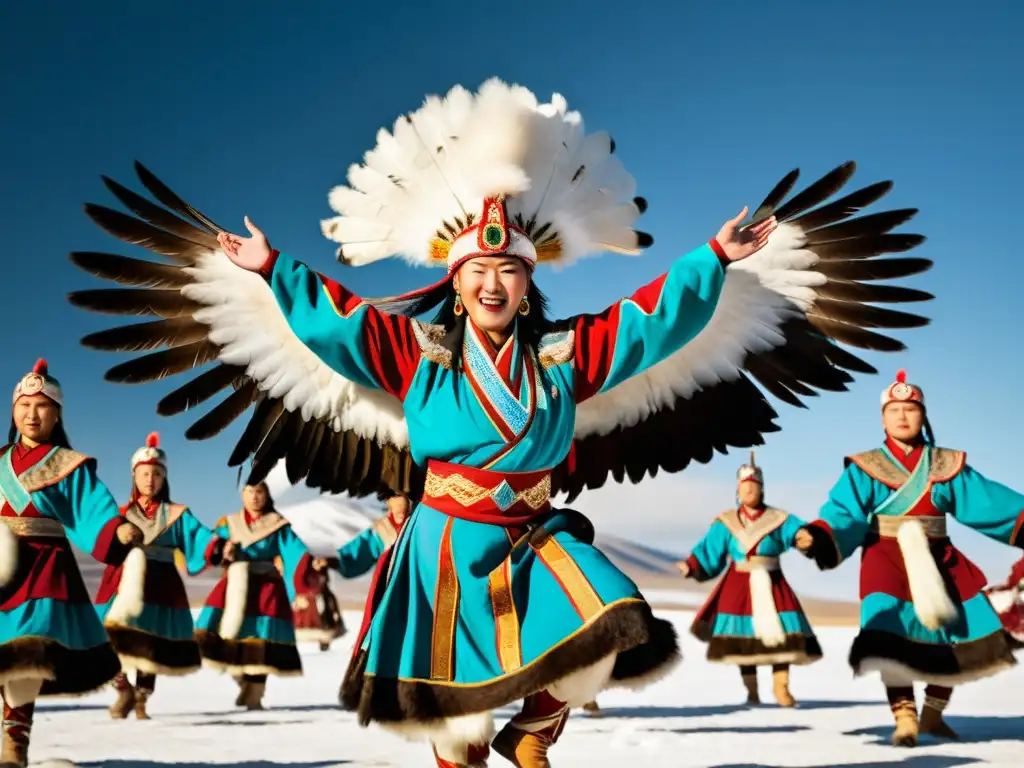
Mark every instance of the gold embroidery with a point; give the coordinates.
(34, 526)
(750, 535)
(757, 561)
(946, 464)
(880, 467)
(262, 527)
(553, 351)
(888, 526)
(429, 338)
(52, 470)
(506, 622)
(568, 574)
(166, 516)
(386, 530)
(446, 610)
(467, 493)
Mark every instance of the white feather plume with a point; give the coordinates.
(436, 166)
(760, 294)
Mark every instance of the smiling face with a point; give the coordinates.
(492, 288)
(149, 479)
(750, 493)
(35, 416)
(903, 421)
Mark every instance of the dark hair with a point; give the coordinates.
(58, 437)
(530, 327)
(163, 495)
(269, 506)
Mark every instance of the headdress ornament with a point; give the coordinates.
(750, 472)
(38, 381)
(150, 453)
(902, 392)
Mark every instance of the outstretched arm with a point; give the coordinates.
(843, 521)
(709, 555)
(988, 507)
(366, 346)
(90, 516)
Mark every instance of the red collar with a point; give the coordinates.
(908, 460)
(751, 513)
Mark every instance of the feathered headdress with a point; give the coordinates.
(901, 392)
(475, 175)
(750, 472)
(150, 453)
(38, 381)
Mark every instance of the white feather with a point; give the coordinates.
(245, 320)
(932, 603)
(130, 598)
(8, 555)
(438, 163)
(760, 293)
(236, 594)
(767, 624)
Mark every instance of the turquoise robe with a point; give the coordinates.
(265, 643)
(161, 640)
(475, 615)
(876, 488)
(726, 620)
(48, 626)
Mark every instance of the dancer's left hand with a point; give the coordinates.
(320, 564)
(740, 243)
(128, 534)
(803, 540)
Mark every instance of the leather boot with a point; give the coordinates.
(905, 713)
(475, 757)
(125, 700)
(17, 729)
(243, 688)
(141, 697)
(936, 699)
(592, 709)
(750, 683)
(254, 695)
(780, 687)
(527, 737)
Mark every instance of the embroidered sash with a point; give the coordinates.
(750, 535)
(913, 487)
(17, 490)
(11, 489)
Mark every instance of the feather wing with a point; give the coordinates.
(336, 434)
(779, 323)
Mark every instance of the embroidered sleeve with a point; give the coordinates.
(990, 508)
(197, 543)
(711, 553)
(789, 530)
(361, 554)
(367, 346)
(90, 515)
(639, 331)
(842, 523)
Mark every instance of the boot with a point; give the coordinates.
(254, 695)
(780, 687)
(592, 709)
(526, 738)
(141, 697)
(325, 647)
(905, 713)
(17, 728)
(935, 701)
(750, 682)
(475, 757)
(243, 688)
(125, 700)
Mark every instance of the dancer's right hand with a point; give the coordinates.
(684, 568)
(227, 555)
(249, 253)
(128, 534)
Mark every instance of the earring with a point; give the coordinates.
(459, 309)
(524, 307)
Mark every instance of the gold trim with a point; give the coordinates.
(467, 493)
(506, 622)
(52, 470)
(266, 525)
(34, 526)
(334, 306)
(565, 570)
(946, 464)
(749, 536)
(152, 529)
(757, 561)
(888, 526)
(876, 465)
(446, 609)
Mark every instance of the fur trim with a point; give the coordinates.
(898, 657)
(894, 670)
(767, 624)
(131, 590)
(450, 735)
(1003, 600)
(235, 597)
(751, 651)
(583, 685)
(152, 654)
(8, 555)
(317, 635)
(251, 656)
(64, 671)
(932, 602)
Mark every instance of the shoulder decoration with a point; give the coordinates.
(51, 470)
(429, 338)
(946, 464)
(556, 348)
(750, 535)
(876, 465)
(266, 525)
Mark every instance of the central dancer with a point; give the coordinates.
(490, 595)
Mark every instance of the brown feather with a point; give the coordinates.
(167, 362)
(173, 332)
(141, 233)
(776, 196)
(854, 336)
(260, 423)
(842, 290)
(202, 388)
(817, 193)
(120, 269)
(866, 315)
(881, 269)
(865, 247)
(134, 301)
(224, 413)
(163, 193)
(872, 225)
(161, 217)
(842, 208)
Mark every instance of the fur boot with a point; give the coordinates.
(749, 675)
(780, 686)
(17, 730)
(904, 711)
(125, 701)
(936, 699)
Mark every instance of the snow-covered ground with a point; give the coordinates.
(691, 719)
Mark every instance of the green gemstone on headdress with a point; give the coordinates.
(493, 235)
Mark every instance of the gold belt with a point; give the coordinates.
(757, 561)
(34, 526)
(888, 526)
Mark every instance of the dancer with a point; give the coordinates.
(500, 405)
(51, 641)
(246, 627)
(752, 618)
(160, 639)
(923, 616)
(1008, 601)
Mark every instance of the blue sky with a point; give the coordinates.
(260, 113)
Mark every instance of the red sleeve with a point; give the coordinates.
(307, 581)
(394, 351)
(108, 548)
(1017, 537)
(824, 551)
